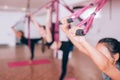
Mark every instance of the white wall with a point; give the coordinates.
(7, 19)
(107, 25)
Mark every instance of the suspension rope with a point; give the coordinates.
(56, 35)
(90, 19)
(57, 22)
(51, 12)
(28, 23)
(89, 23)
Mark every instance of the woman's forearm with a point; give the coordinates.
(13, 30)
(16, 34)
(102, 62)
(48, 26)
(49, 18)
(48, 34)
(35, 23)
(77, 45)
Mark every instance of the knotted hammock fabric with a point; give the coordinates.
(89, 20)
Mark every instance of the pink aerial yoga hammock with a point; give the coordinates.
(57, 22)
(89, 20)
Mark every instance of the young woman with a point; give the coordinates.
(24, 40)
(113, 47)
(106, 55)
(48, 35)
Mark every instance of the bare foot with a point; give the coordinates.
(30, 61)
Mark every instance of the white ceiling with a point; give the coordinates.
(19, 5)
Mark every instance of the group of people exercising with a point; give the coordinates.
(106, 54)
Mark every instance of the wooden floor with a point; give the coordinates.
(80, 67)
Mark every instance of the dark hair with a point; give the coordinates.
(44, 26)
(21, 32)
(112, 44)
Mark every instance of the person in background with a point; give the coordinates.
(20, 35)
(48, 32)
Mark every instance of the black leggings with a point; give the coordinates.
(66, 48)
(32, 48)
(32, 45)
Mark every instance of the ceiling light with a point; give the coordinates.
(23, 9)
(5, 7)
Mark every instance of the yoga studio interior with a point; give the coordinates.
(59, 39)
